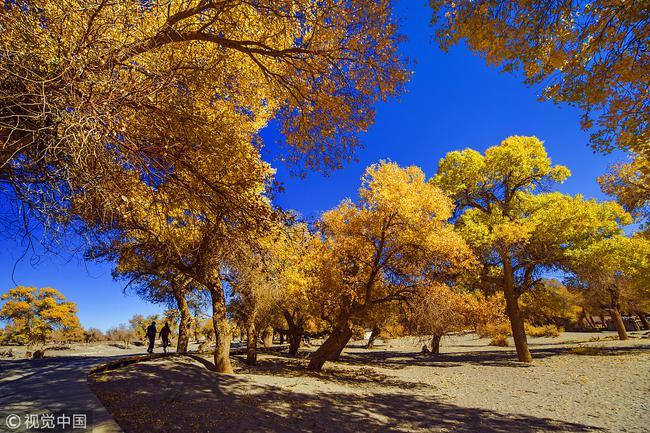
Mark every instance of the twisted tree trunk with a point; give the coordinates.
(267, 337)
(644, 320)
(616, 315)
(296, 330)
(331, 349)
(435, 344)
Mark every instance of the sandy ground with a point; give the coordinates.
(470, 387)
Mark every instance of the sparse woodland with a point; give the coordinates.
(135, 125)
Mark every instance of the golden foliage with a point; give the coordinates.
(629, 183)
(382, 249)
(34, 314)
(590, 54)
(97, 94)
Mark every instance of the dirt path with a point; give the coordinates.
(56, 386)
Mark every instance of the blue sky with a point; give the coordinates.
(454, 100)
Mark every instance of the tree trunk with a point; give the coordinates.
(185, 323)
(267, 337)
(512, 307)
(435, 344)
(295, 340)
(221, 329)
(590, 322)
(616, 314)
(618, 323)
(373, 336)
(331, 349)
(197, 328)
(295, 331)
(281, 332)
(251, 343)
(644, 320)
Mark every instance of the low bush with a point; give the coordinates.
(585, 350)
(493, 329)
(542, 331)
(499, 340)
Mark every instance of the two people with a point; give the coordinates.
(165, 332)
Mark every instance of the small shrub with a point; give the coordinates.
(585, 350)
(493, 329)
(543, 331)
(499, 340)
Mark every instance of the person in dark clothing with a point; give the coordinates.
(151, 335)
(165, 332)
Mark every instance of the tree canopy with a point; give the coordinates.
(515, 232)
(34, 314)
(590, 54)
(93, 93)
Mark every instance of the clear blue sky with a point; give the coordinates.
(453, 101)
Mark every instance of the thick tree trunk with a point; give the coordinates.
(267, 337)
(616, 314)
(221, 329)
(435, 344)
(251, 343)
(295, 340)
(618, 323)
(512, 308)
(185, 322)
(331, 349)
(644, 320)
(373, 336)
(295, 332)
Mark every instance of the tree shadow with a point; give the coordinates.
(493, 358)
(294, 367)
(51, 385)
(183, 396)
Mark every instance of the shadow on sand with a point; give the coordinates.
(493, 358)
(183, 396)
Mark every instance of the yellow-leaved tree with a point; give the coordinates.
(182, 233)
(590, 54)
(92, 91)
(515, 232)
(382, 249)
(629, 184)
(616, 271)
(34, 314)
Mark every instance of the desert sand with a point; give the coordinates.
(578, 382)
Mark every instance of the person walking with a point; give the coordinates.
(165, 332)
(151, 335)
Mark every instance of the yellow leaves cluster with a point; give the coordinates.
(629, 183)
(589, 54)
(33, 314)
(394, 240)
(174, 94)
(517, 164)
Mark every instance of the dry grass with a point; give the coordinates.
(499, 340)
(586, 350)
(543, 331)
